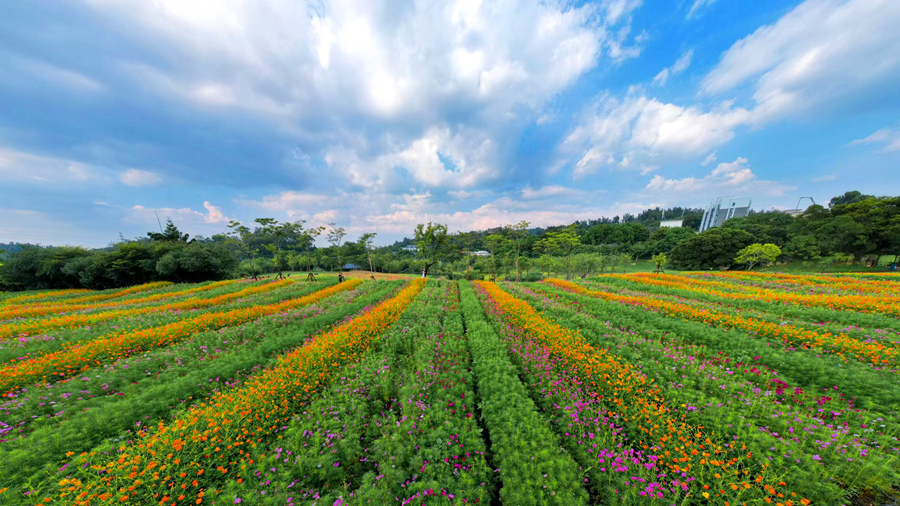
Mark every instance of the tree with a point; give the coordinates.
(281, 236)
(850, 197)
(366, 241)
(493, 242)
(802, 247)
(564, 242)
(335, 237)
(431, 239)
(757, 254)
(660, 260)
(308, 240)
(712, 249)
(518, 232)
(170, 234)
(241, 236)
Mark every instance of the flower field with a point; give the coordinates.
(702, 388)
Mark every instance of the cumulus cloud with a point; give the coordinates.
(819, 57)
(638, 132)
(728, 178)
(369, 58)
(823, 57)
(137, 177)
(439, 91)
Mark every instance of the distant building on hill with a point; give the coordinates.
(480, 253)
(671, 223)
(411, 247)
(723, 209)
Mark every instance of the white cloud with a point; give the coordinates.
(639, 132)
(697, 5)
(889, 139)
(729, 178)
(710, 159)
(823, 57)
(137, 177)
(21, 167)
(185, 218)
(827, 177)
(680, 65)
(388, 62)
(817, 58)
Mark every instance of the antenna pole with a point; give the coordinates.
(157, 221)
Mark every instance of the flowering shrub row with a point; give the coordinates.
(875, 353)
(51, 294)
(765, 407)
(62, 364)
(32, 311)
(32, 327)
(670, 458)
(126, 396)
(863, 303)
(210, 442)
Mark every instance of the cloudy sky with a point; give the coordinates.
(380, 115)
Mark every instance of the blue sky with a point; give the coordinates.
(381, 115)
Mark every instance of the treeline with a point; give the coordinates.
(851, 227)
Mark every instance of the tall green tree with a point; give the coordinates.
(240, 235)
(366, 241)
(431, 240)
(517, 234)
(564, 243)
(281, 238)
(170, 234)
(335, 237)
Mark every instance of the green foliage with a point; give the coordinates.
(660, 260)
(526, 451)
(757, 254)
(766, 228)
(170, 234)
(712, 249)
(802, 247)
(432, 241)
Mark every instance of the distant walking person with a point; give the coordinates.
(340, 277)
(423, 273)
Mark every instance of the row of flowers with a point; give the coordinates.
(210, 443)
(620, 424)
(812, 428)
(851, 284)
(862, 303)
(31, 311)
(115, 402)
(67, 362)
(397, 427)
(40, 326)
(52, 294)
(875, 353)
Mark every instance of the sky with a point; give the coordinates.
(377, 116)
